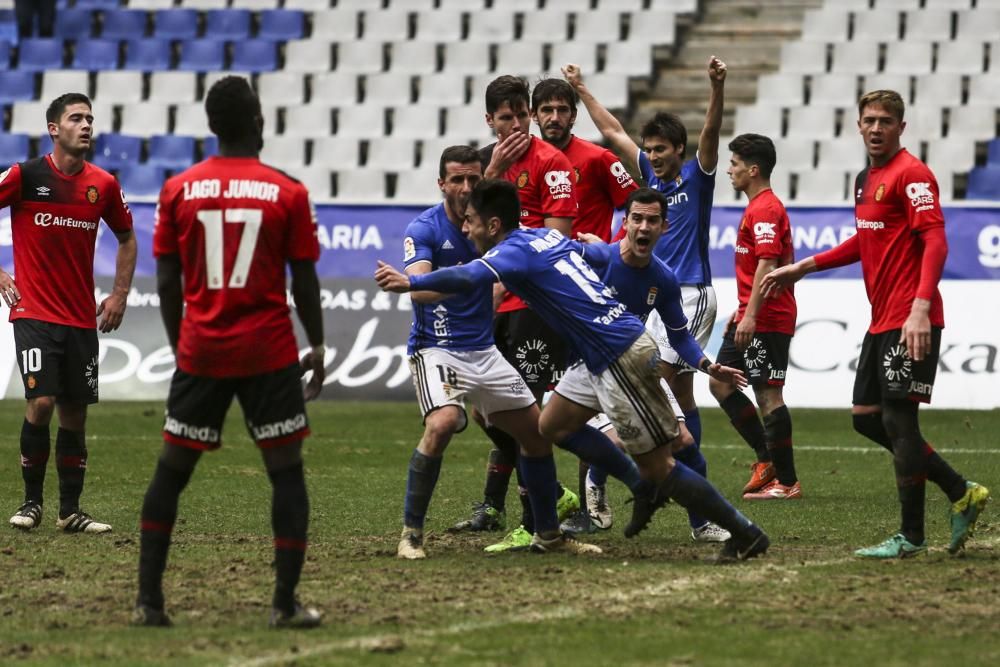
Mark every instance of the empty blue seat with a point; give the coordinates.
(16, 85)
(984, 183)
(227, 24)
(8, 26)
(993, 152)
(38, 55)
(175, 24)
(255, 55)
(171, 151)
(209, 146)
(96, 4)
(4, 54)
(113, 151)
(13, 148)
(281, 25)
(73, 23)
(141, 180)
(150, 55)
(124, 24)
(202, 55)
(96, 54)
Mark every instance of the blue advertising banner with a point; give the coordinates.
(353, 237)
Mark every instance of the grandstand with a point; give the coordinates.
(359, 96)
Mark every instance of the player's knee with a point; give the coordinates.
(900, 420)
(40, 409)
(683, 440)
(720, 390)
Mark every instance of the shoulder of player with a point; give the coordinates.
(428, 222)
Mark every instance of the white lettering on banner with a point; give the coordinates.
(362, 353)
(133, 359)
(812, 237)
(135, 298)
(989, 246)
(157, 367)
(348, 237)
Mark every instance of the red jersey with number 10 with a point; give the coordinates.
(54, 219)
(235, 223)
(765, 233)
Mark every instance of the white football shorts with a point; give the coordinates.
(700, 308)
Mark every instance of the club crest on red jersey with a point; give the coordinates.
(880, 192)
(522, 179)
(93, 194)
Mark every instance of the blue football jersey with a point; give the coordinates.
(550, 273)
(684, 246)
(462, 321)
(643, 290)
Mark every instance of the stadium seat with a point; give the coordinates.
(781, 89)
(629, 58)
(170, 151)
(190, 120)
(443, 89)
(284, 152)
(759, 119)
(16, 85)
(38, 55)
(466, 58)
(281, 25)
(417, 187)
(792, 155)
(202, 55)
(59, 82)
(204, 5)
(898, 82)
(118, 86)
(439, 26)
(845, 152)
(145, 119)
(28, 118)
(316, 179)
(340, 151)
(384, 26)
(815, 121)
(909, 57)
(148, 55)
(96, 54)
(73, 23)
(14, 148)
(387, 88)
(257, 5)
(855, 58)
(948, 4)
(653, 27)
(97, 4)
(972, 122)
(430, 151)
(929, 25)
(255, 55)
(993, 152)
(724, 195)
(176, 24)
(209, 79)
(150, 4)
(822, 185)
(335, 25)
(934, 88)
(597, 26)
(281, 88)
(141, 180)
(949, 155)
(230, 25)
(521, 58)
(391, 153)
(416, 122)
(583, 54)
(922, 122)
(209, 146)
(585, 127)
(173, 87)
(496, 26)
(308, 55)
(112, 151)
(984, 183)
(361, 122)
(413, 57)
(876, 25)
(610, 88)
(827, 24)
(123, 24)
(984, 89)
(362, 186)
(4, 55)
(962, 57)
(466, 124)
(360, 57)
(334, 88)
(308, 5)
(308, 120)
(804, 57)
(622, 5)
(978, 24)
(545, 25)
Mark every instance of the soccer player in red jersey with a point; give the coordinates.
(760, 331)
(57, 202)
(225, 230)
(544, 180)
(901, 245)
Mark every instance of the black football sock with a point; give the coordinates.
(289, 522)
(71, 464)
(498, 471)
(35, 446)
(420, 482)
(743, 415)
(778, 435)
(159, 511)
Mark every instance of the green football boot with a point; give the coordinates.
(517, 540)
(964, 513)
(896, 546)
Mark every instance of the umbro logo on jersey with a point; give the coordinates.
(447, 245)
(43, 191)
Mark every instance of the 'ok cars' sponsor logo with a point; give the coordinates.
(920, 195)
(49, 220)
(560, 187)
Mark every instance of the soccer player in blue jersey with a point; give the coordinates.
(618, 372)
(453, 358)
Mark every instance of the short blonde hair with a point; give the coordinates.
(889, 100)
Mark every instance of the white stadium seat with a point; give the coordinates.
(362, 186)
(583, 54)
(978, 24)
(308, 55)
(822, 185)
(782, 89)
(119, 86)
(631, 58)
(759, 119)
(929, 25)
(339, 152)
(545, 25)
(466, 58)
(972, 122)
(173, 87)
(962, 57)
(413, 57)
(792, 154)
(439, 26)
(360, 57)
(385, 26)
(494, 26)
(804, 57)
(876, 25)
(416, 122)
(284, 152)
(316, 179)
(845, 152)
(812, 122)
(442, 89)
(29, 118)
(281, 88)
(308, 120)
(391, 153)
(833, 89)
(333, 25)
(984, 89)
(597, 26)
(145, 119)
(653, 27)
(521, 58)
(936, 88)
(58, 82)
(386, 89)
(334, 88)
(855, 58)
(898, 82)
(828, 24)
(358, 121)
(909, 57)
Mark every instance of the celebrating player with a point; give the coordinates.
(901, 245)
(225, 230)
(57, 202)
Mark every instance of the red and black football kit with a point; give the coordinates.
(602, 184)
(764, 233)
(235, 223)
(901, 244)
(54, 224)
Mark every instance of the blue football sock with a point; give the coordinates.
(597, 449)
(420, 483)
(692, 419)
(692, 458)
(598, 476)
(691, 490)
(539, 476)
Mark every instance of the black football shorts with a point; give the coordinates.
(57, 360)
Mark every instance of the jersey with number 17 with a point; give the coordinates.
(235, 223)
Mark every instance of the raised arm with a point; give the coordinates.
(611, 129)
(708, 143)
